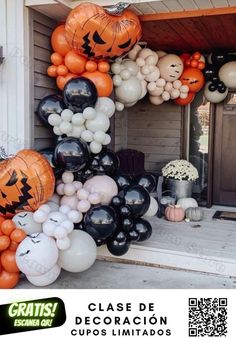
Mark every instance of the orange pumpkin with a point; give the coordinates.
(91, 31)
(174, 213)
(26, 182)
(102, 81)
(193, 78)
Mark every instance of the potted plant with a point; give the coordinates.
(180, 175)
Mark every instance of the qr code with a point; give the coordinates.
(207, 317)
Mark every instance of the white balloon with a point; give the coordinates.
(78, 119)
(129, 91)
(53, 206)
(117, 80)
(214, 97)
(153, 208)
(36, 254)
(177, 84)
(105, 105)
(65, 127)
(152, 59)
(157, 100)
(83, 194)
(184, 89)
(166, 96)
(131, 66)
(168, 87)
(68, 225)
(83, 206)
(119, 106)
(107, 140)
(81, 254)
(24, 220)
(89, 113)
(40, 216)
(227, 74)
(65, 209)
(76, 131)
(134, 52)
(174, 94)
(144, 89)
(54, 119)
(101, 122)
(60, 189)
(60, 232)
(125, 74)
(71, 201)
(87, 136)
(99, 136)
(67, 114)
(57, 131)
(103, 185)
(161, 82)
(67, 177)
(46, 208)
(153, 76)
(95, 147)
(47, 278)
(64, 243)
(145, 70)
(78, 185)
(49, 228)
(140, 76)
(75, 216)
(183, 95)
(115, 68)
(94, 198)
(69, 189)
(140, 62)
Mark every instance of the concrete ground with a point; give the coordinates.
(109, 275)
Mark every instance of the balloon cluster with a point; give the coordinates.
(220, 76)
(164, 76)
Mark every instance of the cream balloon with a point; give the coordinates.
(214, 97)
(153, 208)
(171, 67)
(131, 66)
(129, 91)
(227, 74)
(134, 52)
(67, 114)
(103, 185)
(47, 278)
(54, 119)
(71, 201)
(157, 100)
(106, 106)
(101, 122)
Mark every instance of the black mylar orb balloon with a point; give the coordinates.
(71, 154)
(133, 235)
(221, 87)
(48, 153)
(210, 72)
(137, 198)
(120, 236)
(100, 222)
(51, 104)
(117, 202)
(218, 58)
(106, 162)
(127, 224)
(212, 86)
(143, 228)
(80, 93)
(84, 175)
(117, 248)
(122, 180)
(146, 180)
(125, 211)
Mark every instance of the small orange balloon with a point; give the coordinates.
(91, 66)
(184, 102)
(17, 235)
(7, 227)
(196, 56)
(194, 63)
(75, 63)
(62, 80)
(8, 261)
(13, 246)
(56, 59)
(187, 63)
(102, 81)
(59, 42)
(8, 280)
(52, 71)
(62, 70)
(103, 67)
(1, 233)
(4, 242)
(2, 219)
(201, 65)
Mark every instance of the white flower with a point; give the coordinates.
(180, 170)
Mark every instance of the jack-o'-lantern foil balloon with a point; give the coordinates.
(26, 182)
(193, 78)
(93, 32)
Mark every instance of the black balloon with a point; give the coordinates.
(84, 175)
(100, 222)
(122, 180)
(51, 104)
(218, 58)
(120, 236)
(137, 198)
(133, 235)
(221, 87)
(143, 228)
(127, 224)
(117, 248)
(71, 154)
(211, 73)
(146, 180)
(80, 93)
(117, 202)
(125, 211)
(106, 162)
(48, 153)
(212, 86)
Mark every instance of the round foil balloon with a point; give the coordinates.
(52, 104)
(80, 93)
(118, 248)
(147, 181)
(71, 154)
(143, 228)
(122, 180)
(48, 153)
(106, 162)
(100, 222)
(26, 182)
(137, 198)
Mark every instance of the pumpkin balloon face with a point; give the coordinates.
(193, 78)
(94, 33)
(26, 182)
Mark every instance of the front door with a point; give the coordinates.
(224, 153)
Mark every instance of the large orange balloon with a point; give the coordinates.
(8, 280)
(193, 78)
(75, 63)
(91, 31)
(184, 102)
(8, 261)
(26, 182)
(62, 80)
(59, 42)
(102, 81)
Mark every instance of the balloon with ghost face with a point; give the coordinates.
(26, 222)
(171, 67)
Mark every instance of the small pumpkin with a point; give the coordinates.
(194, 214)
(188, 202)
(174, 213)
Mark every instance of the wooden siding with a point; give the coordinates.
(42, 84)
(154, 130)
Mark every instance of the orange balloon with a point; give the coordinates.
(62, 80)
(187, 63)
(7, 227)
(102, 81)
(103, 67)
(91, 66)
(13, 246)
(52, 71)
(8, 261)
(62, 70)
(196, 56)
(31, 181)
(18, 235)
(59, 42)
(193, 78)
(2, 219)
(184, 102)
(8, 280)
(75, 63)
(194, 63)
(56, 59)
(4, 242)
(201, 65)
